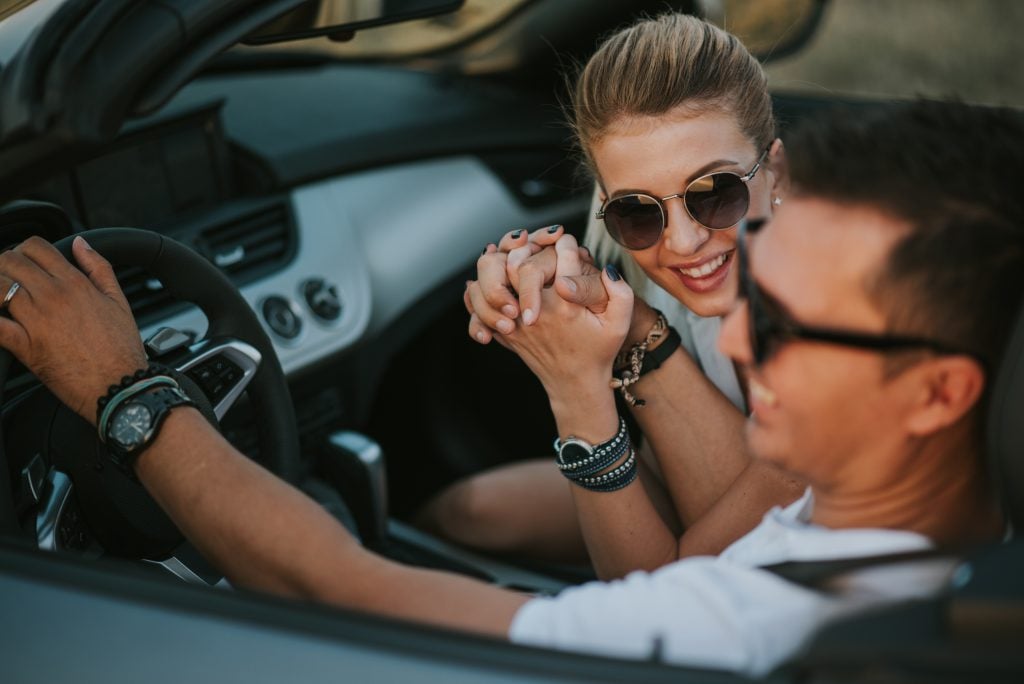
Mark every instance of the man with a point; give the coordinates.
(878, 300)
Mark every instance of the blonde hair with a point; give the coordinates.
(669, 63)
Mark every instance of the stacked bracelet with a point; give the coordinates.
(116, 393)
(614, 479)
(582, 464)
(636, 361)
(602, 455)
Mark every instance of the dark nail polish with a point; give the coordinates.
(612, 272)
(554, 228)
(516, 233)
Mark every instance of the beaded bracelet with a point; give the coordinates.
(126, 394)
(150, 371)
(613, 480)
(611, 475)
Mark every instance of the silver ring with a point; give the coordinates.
(11, 291)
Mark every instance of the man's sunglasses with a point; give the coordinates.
(716, 201)
(770, 326)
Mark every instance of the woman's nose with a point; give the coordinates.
(683, 235)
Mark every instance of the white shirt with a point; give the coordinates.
(724, 612)
(699, 337)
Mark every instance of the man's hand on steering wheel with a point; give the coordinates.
(60, 317)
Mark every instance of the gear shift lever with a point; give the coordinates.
(354, 464)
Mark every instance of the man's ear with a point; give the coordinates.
(950, 386)
(779, 169)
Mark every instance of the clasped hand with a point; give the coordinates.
(542, 296)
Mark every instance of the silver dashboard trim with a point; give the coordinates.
(48, 518)
(245, 355)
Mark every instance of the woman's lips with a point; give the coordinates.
(707, 276)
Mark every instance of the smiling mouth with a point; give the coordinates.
(706, 269)
(761, 394)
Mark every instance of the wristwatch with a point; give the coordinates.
(134, 425)
(577, 457)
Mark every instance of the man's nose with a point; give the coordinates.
(683, 235)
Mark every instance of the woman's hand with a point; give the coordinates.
(510, 277)
(571, 348)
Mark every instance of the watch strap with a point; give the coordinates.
(160, 401)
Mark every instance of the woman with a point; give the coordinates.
(674, 119)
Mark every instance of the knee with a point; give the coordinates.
(473, 512)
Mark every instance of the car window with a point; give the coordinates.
(904, 49)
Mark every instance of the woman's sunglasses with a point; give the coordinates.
(716, 201)
(770, 326)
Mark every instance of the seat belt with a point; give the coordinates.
(815, 574)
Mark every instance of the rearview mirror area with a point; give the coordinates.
(770, 29)
(338, 19)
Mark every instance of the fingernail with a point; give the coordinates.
(509, 310)
(612, 272)
(506, 326)
(516, 233)
(570, 284)
(529, 316)
(480, 337)
(85, 243)
(554, 228)
(586, 249)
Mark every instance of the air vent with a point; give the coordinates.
(146, 295)
(250, 245)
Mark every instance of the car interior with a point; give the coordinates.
(309, 218)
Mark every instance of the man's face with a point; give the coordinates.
(822, 411)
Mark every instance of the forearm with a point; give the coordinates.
(264, 534)
(623, 530)
(695, 432)
(757, 489)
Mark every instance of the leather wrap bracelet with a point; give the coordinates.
(587, 466)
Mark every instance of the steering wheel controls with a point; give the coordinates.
(322, 298)
(216, 377)
(278, 314)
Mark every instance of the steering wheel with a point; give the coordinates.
(79, 498)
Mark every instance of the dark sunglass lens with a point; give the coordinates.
(634, 221)
(718, 200)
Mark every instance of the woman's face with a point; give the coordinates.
(659, 156)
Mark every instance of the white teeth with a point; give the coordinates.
(705, 269)
(762, 394)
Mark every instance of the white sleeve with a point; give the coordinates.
(702, 612)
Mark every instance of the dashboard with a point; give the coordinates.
(333, 213)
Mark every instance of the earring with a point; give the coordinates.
(777, 201)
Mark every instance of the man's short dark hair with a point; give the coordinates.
(952, 172)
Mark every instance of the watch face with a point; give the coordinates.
(574, 450)
(130, 425)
